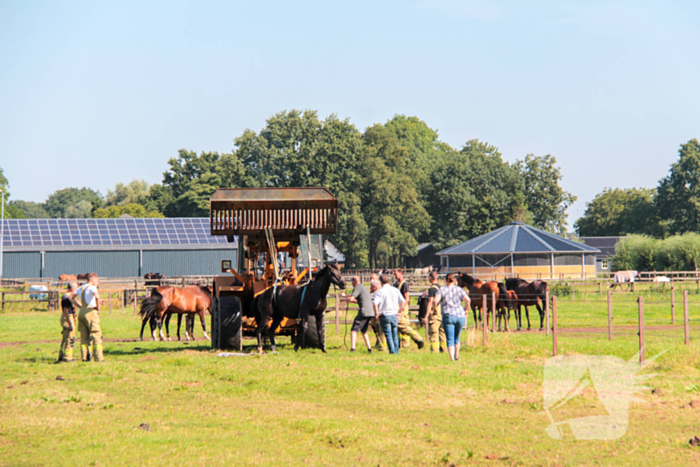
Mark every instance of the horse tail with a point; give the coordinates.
(148, 307)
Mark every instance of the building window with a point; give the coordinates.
(604, 264)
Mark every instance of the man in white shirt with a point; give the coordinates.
(87, 297)
(388, 303)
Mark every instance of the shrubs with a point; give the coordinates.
(643, 253)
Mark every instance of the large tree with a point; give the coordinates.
(545, 198)
(472, 193)
(619, 211)
(191, 180)
(296, 149)
(678, 198)
(390, 202)
(73, 202)
(30, 209)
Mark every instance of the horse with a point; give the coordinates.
(154, 279)
(621, 277)
(507, 301)
(295, 302)
(82, 277)
(529, 294)
(65, 278)
(192, 299)
(479, 289)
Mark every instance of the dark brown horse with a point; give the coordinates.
(529, 294)
(478, 290)
(295, 302)
(192, 299)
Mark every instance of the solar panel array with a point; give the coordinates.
(109, 232)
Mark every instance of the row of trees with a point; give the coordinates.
(645, 253)
(397, 184)
(673, 207)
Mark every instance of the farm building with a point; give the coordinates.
(606, 245)
(521, 250)
(123, 247)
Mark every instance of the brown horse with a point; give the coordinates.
(296, 302)
(478, 290)
(529, 294)
(65, 278)
(192, 299)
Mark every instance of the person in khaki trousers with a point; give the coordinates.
(87, 297)
(65, 353)
(406, 332)
(433, 319)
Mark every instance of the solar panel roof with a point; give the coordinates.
(518, 237)
(122, 231)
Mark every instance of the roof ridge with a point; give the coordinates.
(537, 237)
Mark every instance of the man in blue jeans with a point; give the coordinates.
(388, 304)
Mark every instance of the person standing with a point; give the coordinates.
(65, 353)
(453, 316)
(365, 312)
(405, 330)
(374, 285)
(388, 303)
(87, 297)
(433, 319)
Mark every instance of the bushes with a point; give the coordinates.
(643, 253)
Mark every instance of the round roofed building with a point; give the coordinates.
(521, 250)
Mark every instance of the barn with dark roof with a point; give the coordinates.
(521, 250)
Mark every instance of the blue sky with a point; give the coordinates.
(95, 93)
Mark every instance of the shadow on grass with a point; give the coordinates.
(164, 347)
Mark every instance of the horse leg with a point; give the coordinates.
(321, 336)
(167, 326)
(527, 315)
(143, 325)
(179, 321)
(541, 311)
(204, 325)
(271, 333)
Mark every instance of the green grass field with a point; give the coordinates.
(310, 408)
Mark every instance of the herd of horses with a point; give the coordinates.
(513, 295)
(308, 301)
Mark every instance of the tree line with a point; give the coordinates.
(397, 184)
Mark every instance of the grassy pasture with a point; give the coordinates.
(338, 408)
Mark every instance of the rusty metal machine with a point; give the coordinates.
(266, 221)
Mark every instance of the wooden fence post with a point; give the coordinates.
(135, 300)
(610, 317)
(109, 298)
(686, 321)
(546, 309)
(122, 298)
(641, 329)
(484, 321)
(493, 314)
(337, 315)
(555, 343)
(673, 304)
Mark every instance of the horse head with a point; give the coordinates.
(335, 275)
(465, 280)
